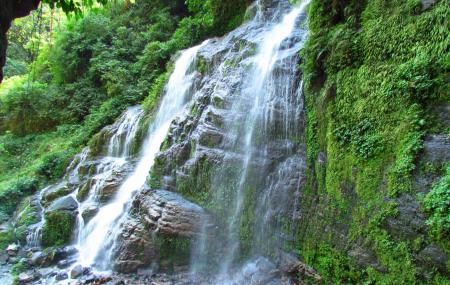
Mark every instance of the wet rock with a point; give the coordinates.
(76, 271)
(61, 276)
(169, 214)
(41, 259)
(109, 189)
(65, 252)
(29, 276)
(13, 249)
(89, 212)
(47, 272)
(25, 278)
(56, 192)
(322, 158)
(158, 214)
(135, 249)
(67, 203)
(209, 137)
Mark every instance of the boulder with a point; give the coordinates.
(169, 214)
(61, 276)
(29, 276)
(67, 203)
(156, 215)
(12, 249)
(76, 271)
(25, 278)
(40, 258)
(89, 212)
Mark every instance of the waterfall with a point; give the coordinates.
(253, 134)
(266, 115)
(96, 238)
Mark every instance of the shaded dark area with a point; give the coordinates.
(10, 10)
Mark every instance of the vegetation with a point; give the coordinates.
(58, 228)
(374, 70)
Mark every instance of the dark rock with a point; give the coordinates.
(12, 9)
(209, 137)
(56, 192)
(169, 214)
(47, 272)
(76, 271)
(26, 277)
(135, 247)
(365, 258)
(65, 263)
(410, 221)
(158, 213)
(89, 212)
(40, 258)
(436, 149)
(322, 158)
(61, 276)
(290, 264)
(434, 257)
(65, 252)
(427, 4)
(29, 276)
(67, 203)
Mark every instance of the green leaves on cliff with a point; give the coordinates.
(374, 71)
(437, 204)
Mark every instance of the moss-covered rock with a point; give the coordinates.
(58, 228)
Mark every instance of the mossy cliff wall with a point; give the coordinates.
(376, 91)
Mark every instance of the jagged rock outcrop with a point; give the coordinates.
(159, 219)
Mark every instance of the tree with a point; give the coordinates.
(12, 9)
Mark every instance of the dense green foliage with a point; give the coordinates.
(436, 203)
(58, 228)
(374, 70)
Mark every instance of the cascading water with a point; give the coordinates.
(266, 119)
(244, 110)
(96, 238)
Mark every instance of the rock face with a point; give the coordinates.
(156, 216)
(67, 203)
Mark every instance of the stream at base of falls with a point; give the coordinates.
(226, 156)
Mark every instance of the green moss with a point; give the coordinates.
(436, 204)
(58, 228)
(373, 69)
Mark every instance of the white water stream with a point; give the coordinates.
(97, 237)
